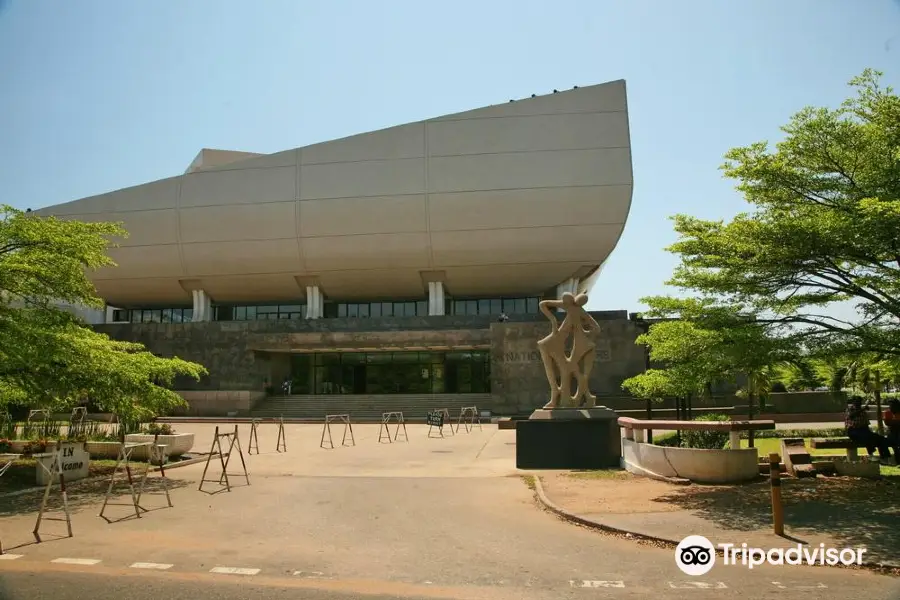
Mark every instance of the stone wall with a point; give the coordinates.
(247, 356)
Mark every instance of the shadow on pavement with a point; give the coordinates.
(852, 512)
(82, 494)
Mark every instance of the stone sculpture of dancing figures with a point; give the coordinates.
(562, 368)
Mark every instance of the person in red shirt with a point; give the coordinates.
(892, 422)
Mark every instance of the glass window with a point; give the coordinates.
(375, 309)
(521, 306)
(165, 315)
(120, 315)
(364, 310)
(378, 358)
(353, 310)
(422, 308)
(459, 307)
(387, 309)
(330, 310)
(471, 307)
(496, 306)
(341, 310)
(509, 305)
(531, 305)
(484, 307)
(224, 313)
(187, 314)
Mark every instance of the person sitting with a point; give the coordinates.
(892, 421)
(856, 423)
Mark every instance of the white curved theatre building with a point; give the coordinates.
(468, 215)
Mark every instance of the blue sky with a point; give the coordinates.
(99, 95)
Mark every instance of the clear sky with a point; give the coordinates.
(99, 95)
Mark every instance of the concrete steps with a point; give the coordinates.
(366, 407)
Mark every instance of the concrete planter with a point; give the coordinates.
(858, 468)
(176, 444)
(102, 449)
(694, 464)
(18, 446)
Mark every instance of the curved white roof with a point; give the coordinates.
(505, 200)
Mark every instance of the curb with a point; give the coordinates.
(574, 518)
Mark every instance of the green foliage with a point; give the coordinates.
(708, 440)
(48, 357)
(796, 433)
(708, 343)
(158, 429)
(797, 375)
(826, 212)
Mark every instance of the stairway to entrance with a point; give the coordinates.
(366, 407)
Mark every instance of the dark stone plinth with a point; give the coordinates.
(569, 438)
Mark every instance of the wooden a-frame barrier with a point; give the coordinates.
(253, 444)
(388, 419)
(224, 458)
(326, 429)
(469, 417)
(156, 453)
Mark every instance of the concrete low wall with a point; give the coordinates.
(218, 403)
(694, 464)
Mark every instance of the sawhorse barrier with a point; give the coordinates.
(155, 452)
(388, 419)
(348, 427)
(469, 417)
(253, 444)
(6, 461)
(438, 418)
(233, 441)
(54, 474)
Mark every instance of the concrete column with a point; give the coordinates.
(202, 306)
(569, 285)
(435, 298)
(109, 314)
(640, 436)
(735, 437)
(314, 302)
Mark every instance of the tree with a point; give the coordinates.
(706, 344)
(48, 357)
(823, 230)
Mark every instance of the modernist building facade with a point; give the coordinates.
(379, 264)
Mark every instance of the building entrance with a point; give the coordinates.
(391, 373)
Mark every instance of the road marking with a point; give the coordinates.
(311, 574)
(10, 556)
(586, 583)
(233, 571)
(697, 585)
(818, 586)
(76, 561)
(157, 566)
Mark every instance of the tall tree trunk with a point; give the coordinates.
(878, 416)
(750, 399)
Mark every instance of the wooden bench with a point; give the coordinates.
(838, 444)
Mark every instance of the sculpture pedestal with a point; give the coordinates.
(569, 438)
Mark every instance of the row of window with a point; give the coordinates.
(410, 308)
(154, 315)
(389, 373)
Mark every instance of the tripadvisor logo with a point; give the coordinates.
(696, 555)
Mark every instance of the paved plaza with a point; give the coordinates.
(429, 518)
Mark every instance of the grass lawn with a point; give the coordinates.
(22, 474)
(767, 446)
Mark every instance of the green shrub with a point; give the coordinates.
(796, 433)
(665, 439)
(159, 429)
(707, 440)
